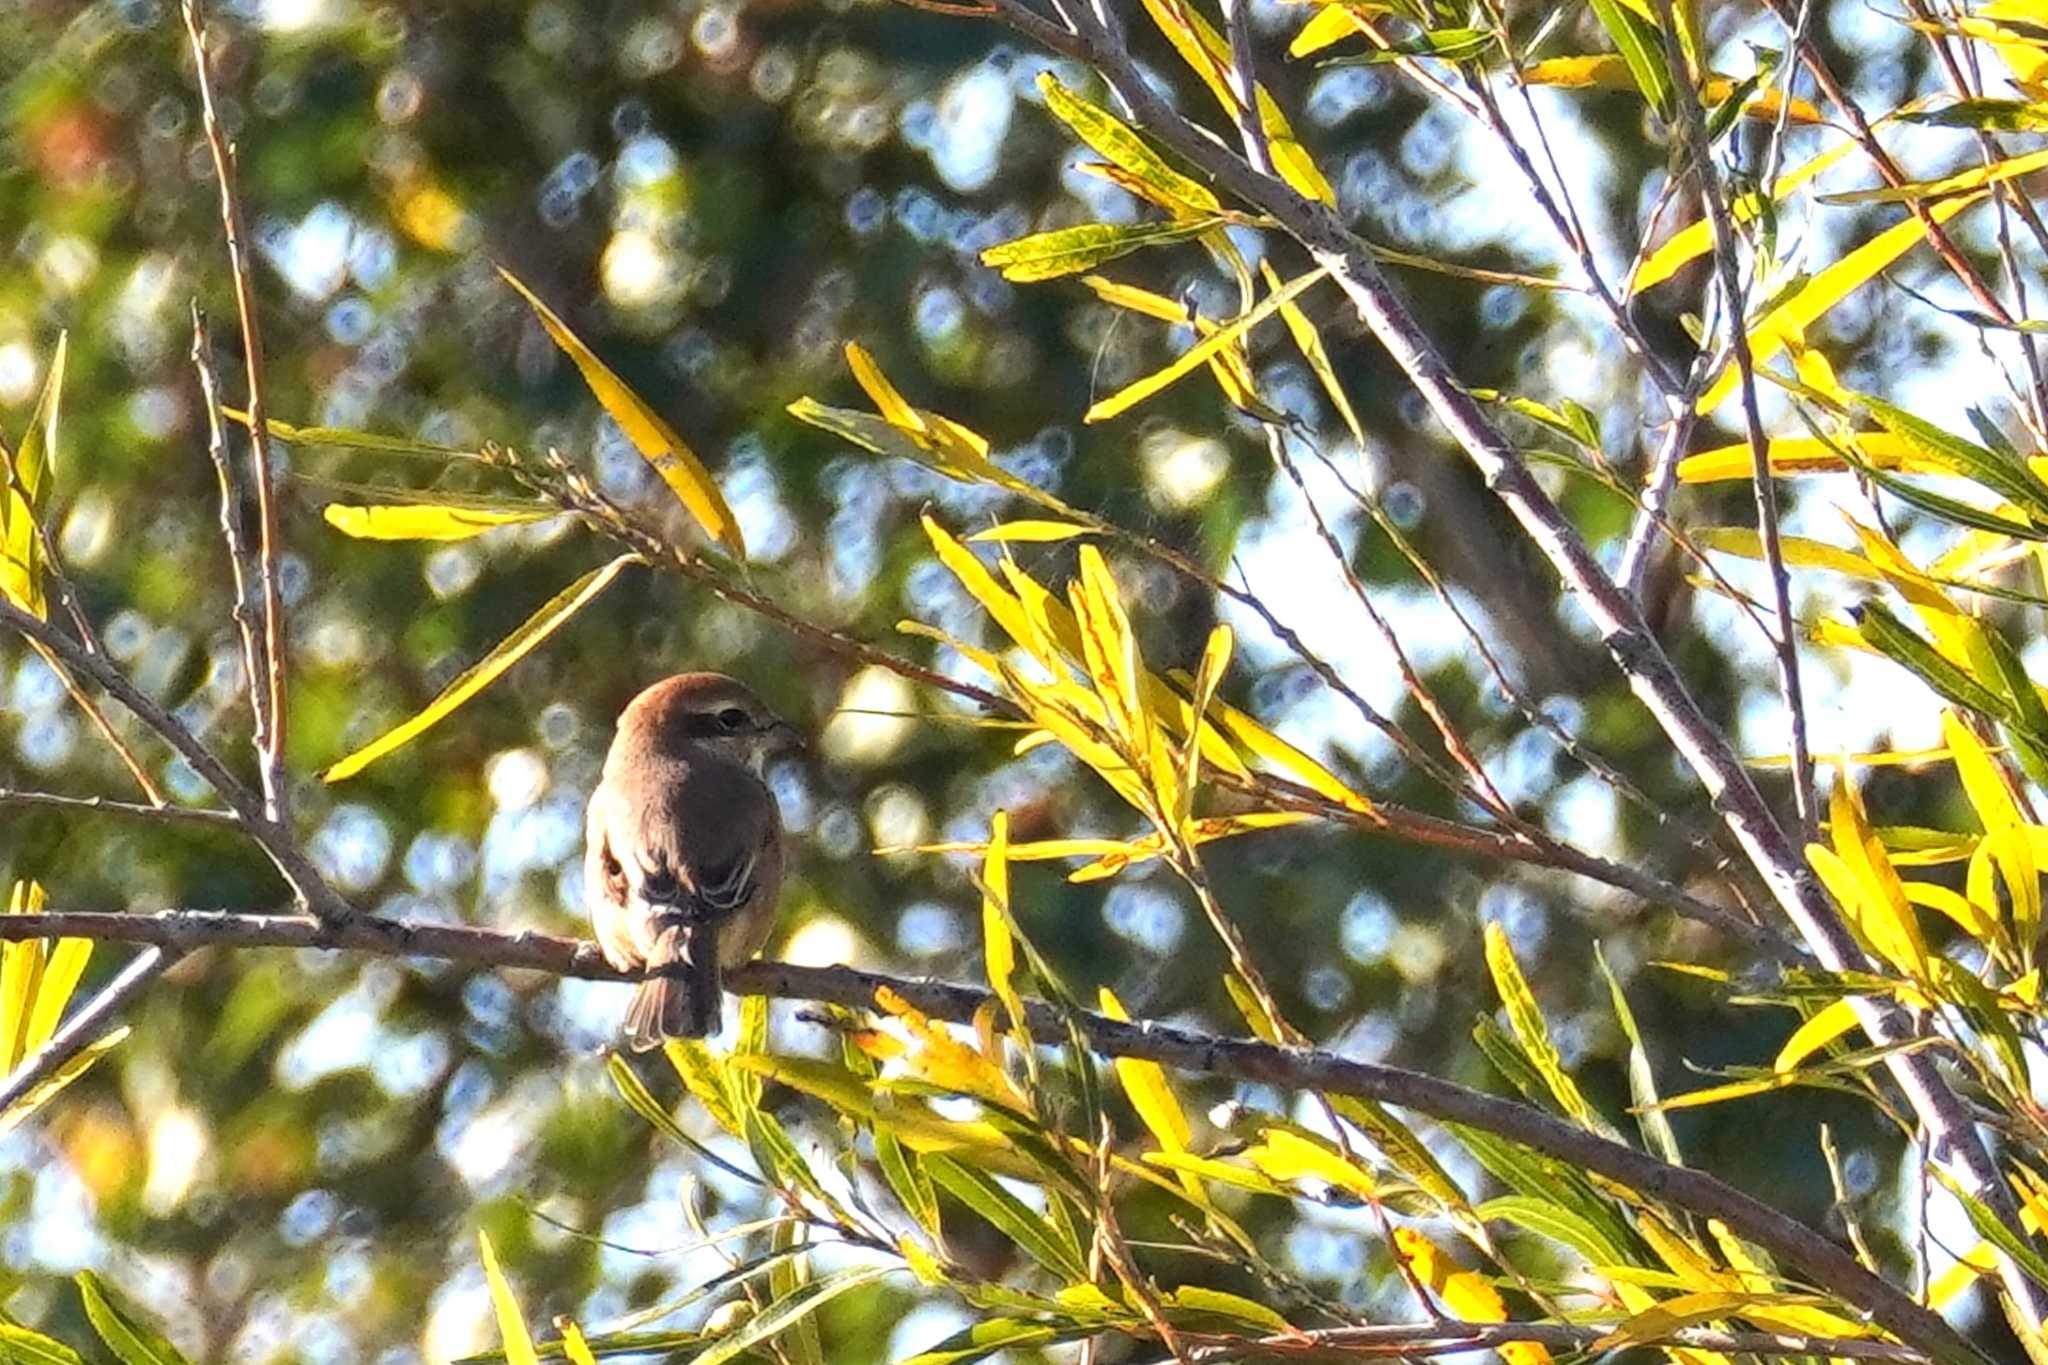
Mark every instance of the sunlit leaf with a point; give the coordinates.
(35, 462)
(505, 1307)
(1789, 320)
(1801, 455)
(1067, 251)
(24, 1346)
(1642, 51)
(1032, 1232)
(1285, 1155)
(1033, 532)
(1525, 1017)
(1109, 136)
(1971, 179)
(1198, 354)
(124, 1331)
(786, 1312)
(656, 441)
(1146, 1087)
(423, 521)
(551, 617)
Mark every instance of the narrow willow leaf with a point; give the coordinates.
(1146, 1087)
(1136, 300)
(1642, 1082)
(125, 1333)
(1525, 1017)
(1803, 455)
(347, 438)
(423, 521)
(1109, 136)
(1821, 1028)
(505, 1307)
(999, 946)
(1010, 1216)
(786, 1312)
(1547, 1219)
(1328, 25)
(1789, 320)
(1892, 638)
(656, 441)
(1206, 52)
(1285, 1155)
(21, 556)
(1309, 342)
(1952, 184)
(1687, 1310)
(12, 1116)
(509, 651)
(1642, 49)
(573, 1345)
(1194, 1298)
(991, 1335)
(1198, 354)
(1993, 1229)
(1033, 532)
(1067, 251)
(1986, 115)
(23, 1346)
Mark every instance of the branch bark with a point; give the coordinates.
(1797, 1247)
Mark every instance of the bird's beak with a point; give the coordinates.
(784, 739)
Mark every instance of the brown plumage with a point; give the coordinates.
(683, 849)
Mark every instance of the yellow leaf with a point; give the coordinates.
(909, 1119)
(1215, 659)
(1262, 743)
(1988, 794)
(509, 651)
(1862, 879)
(574, 1346)
(1196, 1299)
(41, 1094)
(1823, 1027)
(895, 409)
(656, 441)
(1146, 1087)
(1685, 1310)
(511, 1324)
(1208, 55)
(1798, 550)
(21, 554)
(423, 521)
(1198, 354)
(944, 1061)
(1309, 342)
(1971, 918)
(999, 949)
(1131, 297)
(1803, 455)
(1285, 1154)
(1328, 25)
(1525, 1017)
(1222, 1172)
(1954, 184)
(1790, 319)
(1465, 1293)
(1037, 532)
(1691, 243)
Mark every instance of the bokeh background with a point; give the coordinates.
(288, 1159)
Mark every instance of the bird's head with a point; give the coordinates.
(709, 711)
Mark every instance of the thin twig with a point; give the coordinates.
(1797, 1248)
(1764, 485)
(1658, 485)
(220, 819)
(274, 839)
(1244, 86)
(245, 610)
(271, 716)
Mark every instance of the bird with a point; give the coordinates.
(683, 857)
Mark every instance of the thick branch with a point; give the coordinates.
(1797, 1247)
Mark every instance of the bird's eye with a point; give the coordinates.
(732, 719)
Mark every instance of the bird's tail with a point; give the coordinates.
(684, 1000)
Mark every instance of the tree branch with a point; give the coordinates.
(1447, 1335)
(1797, 1247)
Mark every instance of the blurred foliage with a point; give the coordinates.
(290, 1155)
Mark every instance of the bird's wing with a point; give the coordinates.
(702, 839)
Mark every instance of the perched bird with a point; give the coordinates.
(683, 848)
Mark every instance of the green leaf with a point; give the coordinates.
(511, 1322)
(1891, 637)
(1554, 1221)
(985, 1338)
(21, 1346)
(1067, 251)
(134, 1341)
(1990, 116)
(424, 521)
(1642, 47)
(1010, 1216)
(1525, 1017)
(641, 1102)
(347, 438)
(1112, 138)
(1199, 353)
(656, 441)
(785, 1313)
(509, 651)
(1642, 1082)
